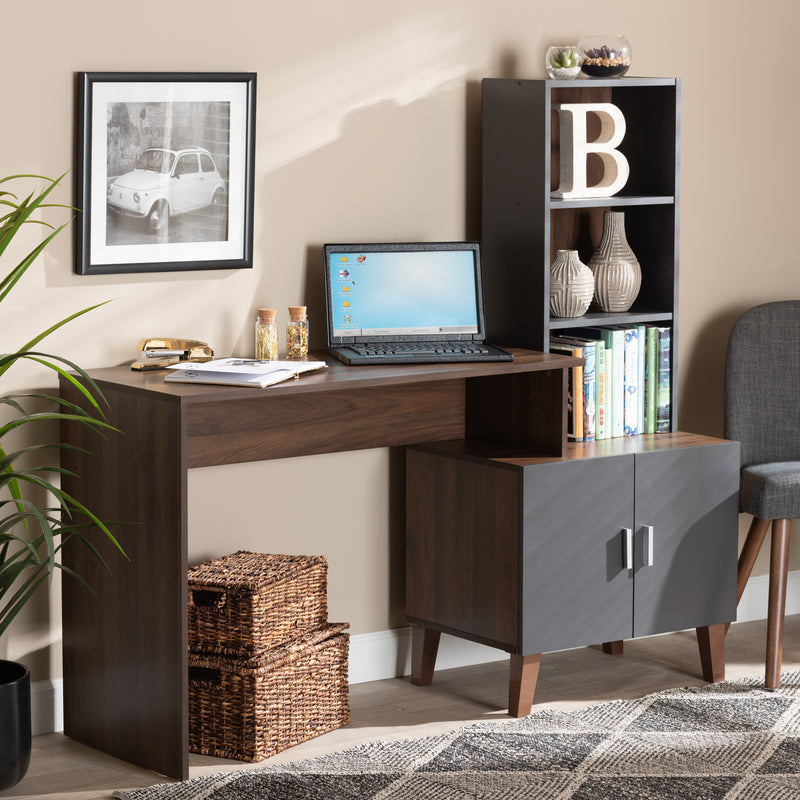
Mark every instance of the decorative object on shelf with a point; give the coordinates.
(605, 55)
(297, 333)
(617, 274)
(266, 334)
(575, 147)
(563, 62)
(571, 285)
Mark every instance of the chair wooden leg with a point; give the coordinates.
(778, 572)
(752, 545)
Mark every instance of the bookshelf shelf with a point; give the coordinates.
(618, 201)
(592, 318)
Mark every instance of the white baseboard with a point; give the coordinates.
(387, 654)
(47, 706)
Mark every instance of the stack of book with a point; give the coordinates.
(624, 386)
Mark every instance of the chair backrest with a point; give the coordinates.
(762, 383)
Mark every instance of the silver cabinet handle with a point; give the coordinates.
(627, 547)
(648, 545)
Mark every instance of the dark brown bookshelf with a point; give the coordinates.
(523, 225)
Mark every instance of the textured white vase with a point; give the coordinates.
(617, 274)
(571, 285)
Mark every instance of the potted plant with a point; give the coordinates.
(33, 531)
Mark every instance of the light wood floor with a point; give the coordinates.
(65, 770)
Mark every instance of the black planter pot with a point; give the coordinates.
(15, 722)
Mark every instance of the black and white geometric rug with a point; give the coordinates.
(733, 740)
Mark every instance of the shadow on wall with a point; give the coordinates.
(702, 395)
(397, 172)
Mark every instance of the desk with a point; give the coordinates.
(125, 652)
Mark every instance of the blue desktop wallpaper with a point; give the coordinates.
(403, 290)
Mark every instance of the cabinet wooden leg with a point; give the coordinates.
(778, 572)
(711, 641)
(613, 648)
(424, 647)
(523, 673)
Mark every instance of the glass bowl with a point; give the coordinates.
(563, 62)
(605, 55)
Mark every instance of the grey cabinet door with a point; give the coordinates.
(575, 588)
(690, 498)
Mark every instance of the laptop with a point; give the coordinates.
(406, 303)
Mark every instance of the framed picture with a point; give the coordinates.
(165, 171)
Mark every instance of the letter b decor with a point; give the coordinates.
(575, 148)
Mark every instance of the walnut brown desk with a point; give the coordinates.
(125, 651)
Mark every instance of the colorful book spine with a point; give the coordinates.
(640, 330)
(601, 365)
(585, 349)
(589, 386)
(664, 390)
(651, 380)
(614, 339)
(631, 382)
(575, 431)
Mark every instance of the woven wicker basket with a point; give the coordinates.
(251, 709)
(246, 603)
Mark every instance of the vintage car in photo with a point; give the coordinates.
(165, 183)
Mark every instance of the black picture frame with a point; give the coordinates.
(165, 171)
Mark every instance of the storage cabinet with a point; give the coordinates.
(523, 224)
(618, 539)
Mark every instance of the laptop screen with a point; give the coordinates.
(390, 292)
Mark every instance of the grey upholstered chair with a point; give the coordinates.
(762, 411)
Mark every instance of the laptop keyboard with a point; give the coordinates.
(420, 348)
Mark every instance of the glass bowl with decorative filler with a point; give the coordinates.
(605, 55)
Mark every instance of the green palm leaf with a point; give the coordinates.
(33, 533)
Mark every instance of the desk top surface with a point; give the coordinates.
(337, 376)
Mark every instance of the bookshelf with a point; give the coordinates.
(618, 538)
(523, 225)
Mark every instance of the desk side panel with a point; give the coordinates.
(526, 410)
(462, 544)
(125, 651)
(270, 426)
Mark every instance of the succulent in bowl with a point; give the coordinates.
(563, 62)
(605, 56)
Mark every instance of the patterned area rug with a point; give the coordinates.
(734, 740)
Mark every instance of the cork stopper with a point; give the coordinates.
(267, 315)
(297, 313)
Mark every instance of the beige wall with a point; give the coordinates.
(368, 128)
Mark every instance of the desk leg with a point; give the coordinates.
(126, 682)
(711, 641)
(424, 647)
(523, 673)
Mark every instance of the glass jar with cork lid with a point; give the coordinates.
(266, 334)
(297, 333)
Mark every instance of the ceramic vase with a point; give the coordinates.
(617, 274)
(571, 285)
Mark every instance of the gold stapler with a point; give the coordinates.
(160, 353)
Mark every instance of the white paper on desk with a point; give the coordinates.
(239, 371)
